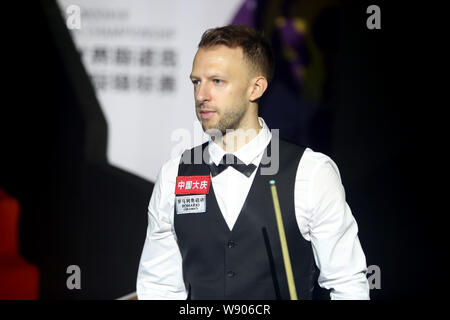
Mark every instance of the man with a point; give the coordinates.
(212, 231)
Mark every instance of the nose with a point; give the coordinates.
(202, 93)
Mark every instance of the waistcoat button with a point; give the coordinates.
(231, 274)
(231, 244)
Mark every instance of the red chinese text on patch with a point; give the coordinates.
(192, 184)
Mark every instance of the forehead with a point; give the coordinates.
(219, 58)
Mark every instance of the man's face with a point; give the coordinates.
(221, 87)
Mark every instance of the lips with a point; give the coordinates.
(206, 114)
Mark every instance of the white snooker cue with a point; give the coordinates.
(284, 246)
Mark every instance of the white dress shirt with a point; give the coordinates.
(321, 212)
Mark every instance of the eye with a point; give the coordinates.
(195, 82)
(217, 81)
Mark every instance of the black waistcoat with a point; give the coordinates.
(246, 262)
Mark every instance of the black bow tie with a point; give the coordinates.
(230, 160)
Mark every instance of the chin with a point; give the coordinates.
(213, 130)
(207, 127)
(208, 124)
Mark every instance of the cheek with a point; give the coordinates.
(235, 94)
(229, 98)
(238, 98)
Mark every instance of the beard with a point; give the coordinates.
(228, 120)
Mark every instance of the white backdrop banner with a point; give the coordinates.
(139, 55)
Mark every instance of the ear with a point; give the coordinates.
(259, 86)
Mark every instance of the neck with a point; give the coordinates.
(233, 140)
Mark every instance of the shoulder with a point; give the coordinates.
(315, 164)
(317, 181)
(313, 158)
(169, 169)
(310, 161)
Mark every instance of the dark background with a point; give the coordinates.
(78, 209)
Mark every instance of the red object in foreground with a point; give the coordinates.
(192, 184)
(19, 280)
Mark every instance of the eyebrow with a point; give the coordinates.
(215, 75)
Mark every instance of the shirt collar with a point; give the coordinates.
(248, 153)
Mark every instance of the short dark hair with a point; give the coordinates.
(256, 47)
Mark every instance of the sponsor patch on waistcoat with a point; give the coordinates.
(191, 204)
(191, 194)
(192, 185)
